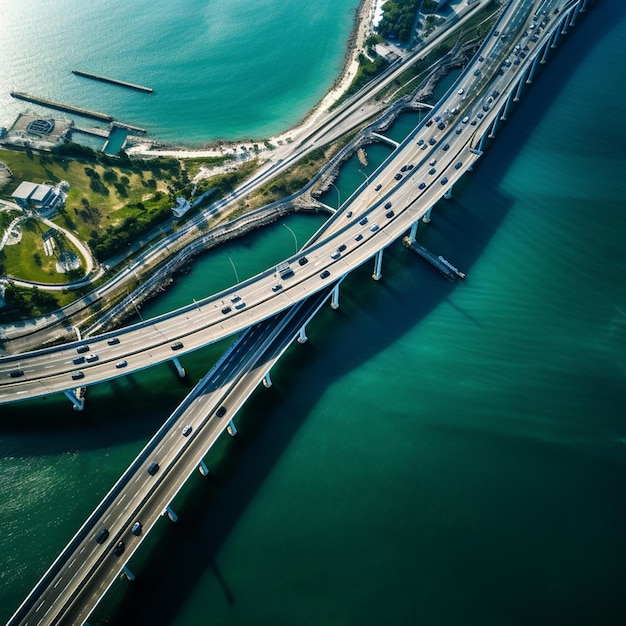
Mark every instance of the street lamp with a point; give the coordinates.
(367, 189)
(338, 195)
(234, 270)
(295, 239)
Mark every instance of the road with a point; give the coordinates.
(81, 575)
(438, 157)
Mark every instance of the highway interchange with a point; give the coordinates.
(369, 222)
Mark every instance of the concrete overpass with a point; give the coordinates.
(402, 191)
(81, 575)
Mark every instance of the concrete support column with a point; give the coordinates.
(79, 403)
(448, 193)
(179, 368)
(413, 231)
(302, 338)
(267, 381)
(334, 298)
(563, 26)
(492, 130)
(520, 85)
(378, 265)
(481, 144)
(573, 20)
(583, 7)
(426, 217)
(531, 74)
(203, 469)
(170, 513)
(126, 571)
(506, 107)
(555, 37)
(231, 428)
(77, 330)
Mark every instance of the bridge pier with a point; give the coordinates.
(79, 403)
(481, 143)
(170, 513)
(203, 469)
(231, 428)
(564, 26)
(531, 74)
(584, 6)
(492, 130)
(334, 298)
(378, 265)
(77, 331)
(554, 38)
(426, 216)
(506, 107)
(573, 20)
(126, 571)
(302, 338)
(267, 381)
(448, 193)
(413, 231)
(544, 56)
(520, 86)
(179, 368)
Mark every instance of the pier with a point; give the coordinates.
(113, 81)
(437, 261)
(68, 108)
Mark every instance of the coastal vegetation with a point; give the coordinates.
(398, 19)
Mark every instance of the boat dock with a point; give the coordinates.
(437, 261)
(113, 81)
(68, 108)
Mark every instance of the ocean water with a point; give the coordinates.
(219, 69)
(436, 453)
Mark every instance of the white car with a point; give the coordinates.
(461, 91)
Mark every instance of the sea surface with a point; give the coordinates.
(436, 453)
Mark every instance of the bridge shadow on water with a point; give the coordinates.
(176, 555)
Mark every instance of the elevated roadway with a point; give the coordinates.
(391, 203)
(81, 575)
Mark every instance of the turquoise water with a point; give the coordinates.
(219, 69)
(436, 454)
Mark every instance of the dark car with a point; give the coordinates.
(325, 274)
(445, 146)
(16, 373)
(378, 187)
(226, 309)
(389, 213)
(82, 349)
(277, 287)
(153, 468)
(303, 260)
(432, 171)
(102, 535)
(119, 549)
(398, 176)
(341, 248)
(177, 345)
(113, 341)
(458, 165)
(78, 360)
(187, 430)
(137, 527)
(422, 185)
(221, 411)
(363, 221)
(388, 205)
(77, 375)
(121, 364)
(444, 180)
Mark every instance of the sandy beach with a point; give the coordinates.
(367, 14)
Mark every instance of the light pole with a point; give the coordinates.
(234, 270)
(338, 195)
(367, 188)
(295, 239)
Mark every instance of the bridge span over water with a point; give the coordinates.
(270, 311)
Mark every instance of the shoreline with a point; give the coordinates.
(363, 25)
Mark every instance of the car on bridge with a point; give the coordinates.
(422, 185)
(119, 548)
(153, 468)
(137, 528)
(121, 364)
(177, 345)
(187, 430)
(77, 375)
(221, 411)
(325, 274)
(91, 358)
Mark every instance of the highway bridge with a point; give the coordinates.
(270, 310)
(403, 190)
